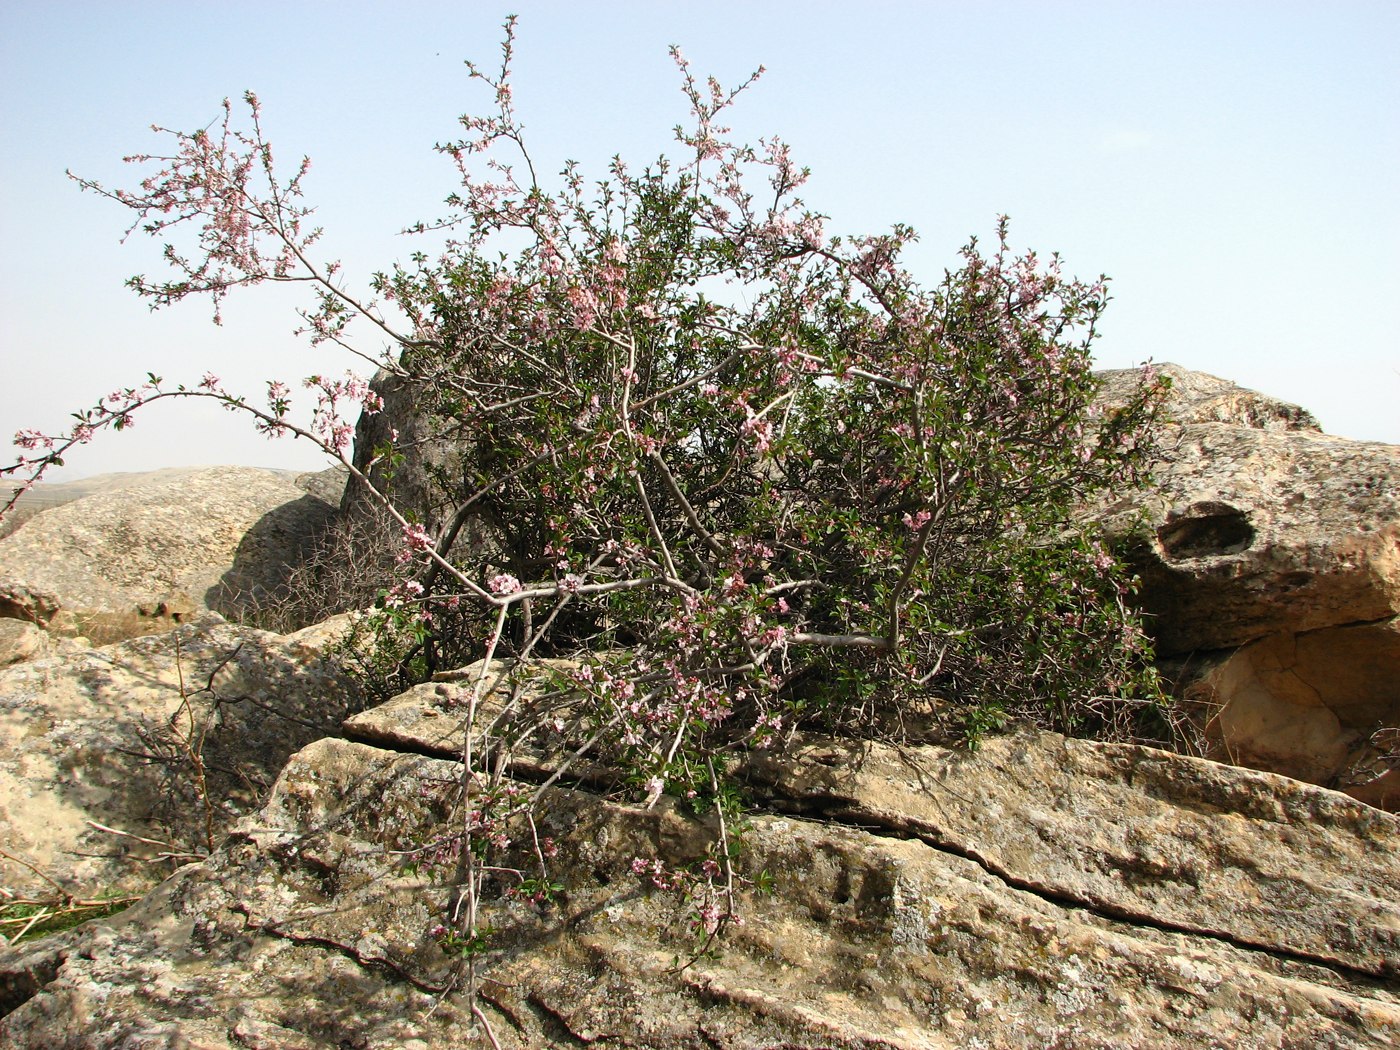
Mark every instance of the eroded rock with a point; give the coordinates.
(1199, 397)
(307, 930)
(108, 736)
(1127, 830)
(138, 559)
(21, 641)
(1253, 533)
(1270, 561)
(1311, 703)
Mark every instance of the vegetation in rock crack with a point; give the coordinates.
(714, 470)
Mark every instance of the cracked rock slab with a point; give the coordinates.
(307, 931)
(1251, 858)
(1246, 856)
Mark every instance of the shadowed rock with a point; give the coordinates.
(107, 736)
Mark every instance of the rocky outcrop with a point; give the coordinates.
(1270, 559)
(1039, 892)
(20, 641)
(1198, 397)
(161, 740)
(1258, 532)
(1257, 522)
(137, 558)
(431, 454)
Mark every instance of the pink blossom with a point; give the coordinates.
(504, 583)
(416, 537)
(32, 439)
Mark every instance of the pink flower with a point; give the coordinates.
(416, 538)
(504, 583)
(32, 439)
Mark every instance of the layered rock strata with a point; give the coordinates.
(1040, 892)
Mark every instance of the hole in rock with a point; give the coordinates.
(1206, 529)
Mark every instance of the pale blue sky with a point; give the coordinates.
(1233, 166)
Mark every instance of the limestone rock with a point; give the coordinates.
(1076, 819)
(19, 602)
(1001, 923)
(1198, 397)
(1308, 704)
(1270, 560)
(126, 561)
(20, 641)
(102, 735)
(1256, 532)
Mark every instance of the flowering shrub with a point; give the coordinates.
(746, 474)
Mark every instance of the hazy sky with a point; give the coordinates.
(1234, 167)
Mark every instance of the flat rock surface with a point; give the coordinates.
(1254, 857)
(308, 930)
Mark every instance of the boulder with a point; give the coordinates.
(111, 736)
(1269, 555)
(431, 452)
(1255, 532)
(20, 641)
(141, 557)
(1199, 397)
(1040, 892)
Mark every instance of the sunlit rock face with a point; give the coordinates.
(146, 552)
(1270, 559)
(1038, 892)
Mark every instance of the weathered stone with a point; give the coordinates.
(1132, 832)
(1198, 397)
(431, 453)
(1115, 827)
(1268, 537)
(1254, 532)
(133, 560)
(19, 602)
(1308, 704)
(306, 930)
(108, 735)
(20, 641)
